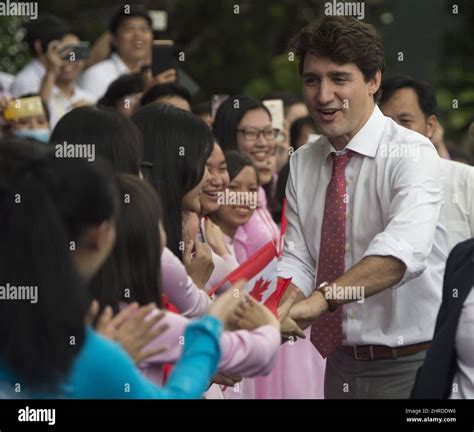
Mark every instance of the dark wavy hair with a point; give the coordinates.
(343, 39)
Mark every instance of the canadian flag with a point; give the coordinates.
(260, 271)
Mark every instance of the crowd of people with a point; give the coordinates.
(116, 211)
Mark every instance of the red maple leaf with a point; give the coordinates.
(259, 288)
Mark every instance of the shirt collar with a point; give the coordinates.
(366, 141)
(119, 64)
(38, 67)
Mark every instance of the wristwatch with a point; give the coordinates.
(332, 302)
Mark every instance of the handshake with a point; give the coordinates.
(296, 313)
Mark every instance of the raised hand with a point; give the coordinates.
(200, 265)
(129, 327)
(223, 308)
(138, 331)
(165, 77)
(251, 314)
(215, 237)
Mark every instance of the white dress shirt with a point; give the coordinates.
(394, 209)
(6, 81)
(29, 79)
(97, 78)
(458, 197)
(463, 383)
(58, 104)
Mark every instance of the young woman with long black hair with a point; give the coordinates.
(46, 347)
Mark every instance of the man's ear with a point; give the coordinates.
(431, 123)
(113, 41)
(37, 46)
(374, 83)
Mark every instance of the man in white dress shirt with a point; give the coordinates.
(369, 280)
(132, 37)
(412, 104)
(39, 33)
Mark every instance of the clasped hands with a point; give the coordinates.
(301, 312)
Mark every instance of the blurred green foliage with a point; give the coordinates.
(236, 46)
(13, 51)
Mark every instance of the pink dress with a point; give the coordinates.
(179, 287)
(223, 265)
(258, 231)
(299, 368)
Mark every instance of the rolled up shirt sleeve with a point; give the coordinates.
(414, 212)
(296, 261)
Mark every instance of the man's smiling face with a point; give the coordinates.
(337, 96)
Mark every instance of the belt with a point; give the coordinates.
(379, 352)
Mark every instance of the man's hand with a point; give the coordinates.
(166, 77)
(288, 327)
(305, 312)
(54, 56)
(226, 379)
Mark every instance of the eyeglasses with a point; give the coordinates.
(281, 137)
(251, 134)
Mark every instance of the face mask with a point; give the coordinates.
(41, 135)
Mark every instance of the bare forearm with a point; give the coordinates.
(47, 86)
(373, 274)
(291, 287)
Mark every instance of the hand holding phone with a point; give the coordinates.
(163, 56)
(79, 51)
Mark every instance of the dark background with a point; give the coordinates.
(248, 52)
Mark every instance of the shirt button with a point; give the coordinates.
(348, 247)
(348, 181)
(352, 315)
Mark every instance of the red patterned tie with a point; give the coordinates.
(326, 332)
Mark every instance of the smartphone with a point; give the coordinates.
(275, 106)
(163, 56)
(79, 51)
(23, 108)
(216, 102)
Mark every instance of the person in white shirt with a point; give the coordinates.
(132, 37)
(412, 104)
(39, 33)
(6, 81)
(364, 241)
(58, 87)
